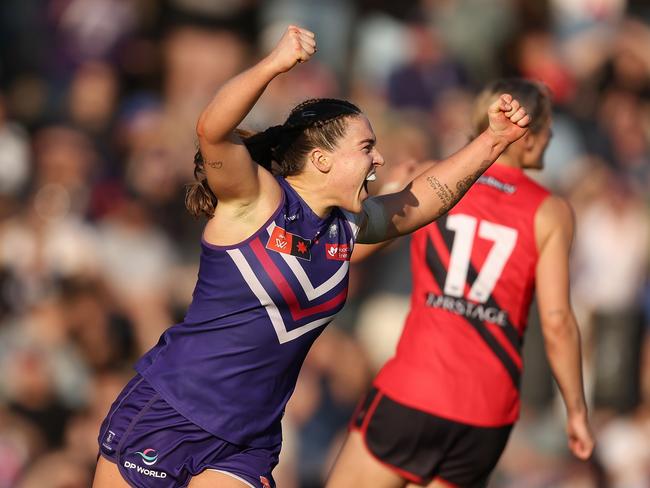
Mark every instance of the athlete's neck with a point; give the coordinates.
(311, 194)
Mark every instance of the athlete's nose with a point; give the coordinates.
(378, 160)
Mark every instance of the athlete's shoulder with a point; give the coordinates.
(554, 214)
(557, 209)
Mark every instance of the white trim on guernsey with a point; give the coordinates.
(233, 476)
(256, 287)
(311, 292)
(352, 219)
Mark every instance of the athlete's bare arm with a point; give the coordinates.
(232, 175)
(554, 228)
(400, 175)
(437, 190)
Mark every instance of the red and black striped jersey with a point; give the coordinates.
(473, 279)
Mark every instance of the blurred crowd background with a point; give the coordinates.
(98, 105)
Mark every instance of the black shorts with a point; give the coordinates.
(421, 447)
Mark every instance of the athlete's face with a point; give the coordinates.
(354, 164)
(533, 157)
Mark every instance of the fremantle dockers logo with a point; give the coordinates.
(149, 456)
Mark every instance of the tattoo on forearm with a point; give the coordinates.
(215, 164)
(446, 196)
(463, 185)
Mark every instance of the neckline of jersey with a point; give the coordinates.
(307, 212)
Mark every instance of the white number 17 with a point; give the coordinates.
(464, 227)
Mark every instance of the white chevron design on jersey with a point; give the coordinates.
(256, 287)
(305, 283)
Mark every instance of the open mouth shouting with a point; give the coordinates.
(372, 176)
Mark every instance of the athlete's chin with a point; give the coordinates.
(363, 196)
(356, 205)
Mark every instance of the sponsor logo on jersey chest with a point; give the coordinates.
(338, 252)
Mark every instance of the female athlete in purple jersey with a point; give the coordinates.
(206, 404)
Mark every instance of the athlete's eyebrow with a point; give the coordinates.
(372, 141)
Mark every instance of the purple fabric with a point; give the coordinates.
(232, 364)
(155, 446)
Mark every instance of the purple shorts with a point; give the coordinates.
(155, 446)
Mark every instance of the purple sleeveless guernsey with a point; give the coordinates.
(232, 364)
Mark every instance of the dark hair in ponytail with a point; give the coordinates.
(319, 122)
(199, 198)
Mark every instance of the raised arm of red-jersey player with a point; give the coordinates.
(435, 191)
(231, 173)
(554, 228)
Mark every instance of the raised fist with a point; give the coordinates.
(297, 45)
(507, 118)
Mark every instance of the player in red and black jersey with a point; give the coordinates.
(441, 410)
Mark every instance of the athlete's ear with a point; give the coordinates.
(320, 160)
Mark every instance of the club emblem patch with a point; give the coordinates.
(288, 243)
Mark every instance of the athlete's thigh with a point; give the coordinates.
(433, 484)
(436, 483)
(214, 479)
(107, 475)
(357, 468)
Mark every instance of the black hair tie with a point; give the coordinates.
(274, 135)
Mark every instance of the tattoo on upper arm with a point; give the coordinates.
(215, 164)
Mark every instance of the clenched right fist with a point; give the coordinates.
(297, 45)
